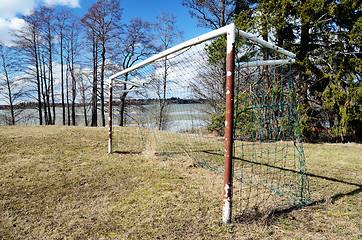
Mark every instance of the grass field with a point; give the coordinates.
(59, 183)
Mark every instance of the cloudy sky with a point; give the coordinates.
(12, 10)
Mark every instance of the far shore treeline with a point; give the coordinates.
(33, 105)
(60, 60)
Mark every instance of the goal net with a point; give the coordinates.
(183, 96)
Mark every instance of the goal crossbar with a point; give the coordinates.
(205, 37)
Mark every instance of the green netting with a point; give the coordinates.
(269, 162)
(184, 100)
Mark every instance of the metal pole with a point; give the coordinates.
(207, 36)
(110, 117)
(226, 218)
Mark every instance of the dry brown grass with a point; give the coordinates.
(59, 183)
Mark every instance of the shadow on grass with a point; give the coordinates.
(290, 170)
(269, 217)
(333, 199)
(127, 152)
(266, 218)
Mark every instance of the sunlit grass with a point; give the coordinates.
(59, 182)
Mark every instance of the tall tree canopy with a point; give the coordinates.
(326, 36)
(211, 13)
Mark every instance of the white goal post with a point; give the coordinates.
(230, 31)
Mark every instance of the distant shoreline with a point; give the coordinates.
(34, 105)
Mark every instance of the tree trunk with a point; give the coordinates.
(122, 109)
(85, 115)
(47, 89)
(43, 84)
(103, 55)
(162, 118)
(304, 48)
(37, 77)
(73, 107)
(48, 119)
(62, 74)
(222, 15)
(74, 85)
(94, 90)
(51, 81)
(67, 87)
(12, 121)
(84, 102)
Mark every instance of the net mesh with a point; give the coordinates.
(183, 101)
(269, 162)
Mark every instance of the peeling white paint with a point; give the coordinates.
(226, 211)
(109, 146)
(227, 92)
(229, 73)
(226, 188)
(226, 123)
(230, 38)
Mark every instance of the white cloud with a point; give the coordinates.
(9, 25)
(69, 3)
(11, 10)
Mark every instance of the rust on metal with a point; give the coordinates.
(228, 136)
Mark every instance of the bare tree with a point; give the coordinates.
(72, 53)
(83, 89)
(210, 86)
(28, 39)
(46, 20)
(211, 13)
(167, 34)
(104, 22)
(63, 26)
(11, 88)
(70, 69)
(134, 44)
(45, 89)
(91, 36)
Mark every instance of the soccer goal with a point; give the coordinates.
(226, 100)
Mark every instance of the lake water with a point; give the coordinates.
(180, 117)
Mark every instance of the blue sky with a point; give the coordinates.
(149, 10)
(11, 11)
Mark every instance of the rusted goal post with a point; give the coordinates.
(260, 125)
